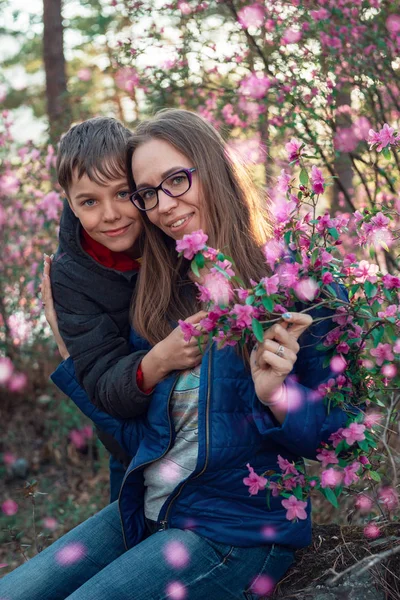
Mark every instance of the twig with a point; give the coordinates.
(368, 561)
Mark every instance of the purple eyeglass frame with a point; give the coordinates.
(188, 172)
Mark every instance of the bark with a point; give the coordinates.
(54, 64)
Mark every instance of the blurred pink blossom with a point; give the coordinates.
(251, 16)
(331, 478)
(372, 531)
(84, 74)
(176, 554)
(176, 590)
(70, 554)
(389, 497)
(9, 508)
(363, 503)
(6, 369)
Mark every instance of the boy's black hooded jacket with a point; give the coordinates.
(92, 304)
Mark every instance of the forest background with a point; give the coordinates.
(324, 72)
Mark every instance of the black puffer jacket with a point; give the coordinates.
(92, 304)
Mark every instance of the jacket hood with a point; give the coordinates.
(70, 233)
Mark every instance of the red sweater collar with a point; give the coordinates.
(106, 257)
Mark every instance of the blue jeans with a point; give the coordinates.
(91, 563)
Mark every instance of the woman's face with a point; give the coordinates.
(152, 162)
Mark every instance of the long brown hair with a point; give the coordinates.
(236, 220)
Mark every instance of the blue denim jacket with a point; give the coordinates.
(234, 429)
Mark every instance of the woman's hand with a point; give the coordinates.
(49, 311)
(273, 360)
(173, 354)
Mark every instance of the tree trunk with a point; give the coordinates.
(343, 167)
(54, 64)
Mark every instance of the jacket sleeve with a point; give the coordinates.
(308, 421)
(127, 432)
(104, 363)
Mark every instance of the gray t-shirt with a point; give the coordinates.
(162, 476)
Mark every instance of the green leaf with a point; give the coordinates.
(222, 271)
(257, 330)
(375, 476)
(250, 300)
(387, 154)
(304, 177)
(330, 496)
(370, 289)
(334, 233)
(298, 492)
(268, 303)
(195, 268)
(200, 260)
(364, 445)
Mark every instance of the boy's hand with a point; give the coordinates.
(49, 311)
(172, 354)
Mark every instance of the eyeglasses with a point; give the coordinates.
(174, 185)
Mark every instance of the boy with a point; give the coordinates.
(94, 271)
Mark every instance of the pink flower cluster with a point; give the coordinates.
(383, 138)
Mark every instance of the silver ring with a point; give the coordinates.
(281, 351)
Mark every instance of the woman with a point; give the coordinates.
(185, 526)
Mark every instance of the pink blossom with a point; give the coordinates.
(6, 369)
(327, 457)
(345, 139)
(372, 531)
(273, 251)
(396, 346)
(251, 16)
(366, 271)
(391, 281)
(343, 348)
(127, 79)
(354, 433)
(393, 24)
(389, 497)
(271, 284)
(84, 74)
(320, 15)
(371, 419)
(293, 148)
(184, 7)
(382, 138)
(191, 244)
(9, 458)
(363, 503)
(291, 36)
(306, 289)
(254, 481)
(244, 314)
(189, 330)
(327, 278)
(331, 478)
(391, 311)
(9, 508)
(282, 182)
(317, 180)
(295, 509)
(87, 431)
(381, 353)
(255, 86)
(77, 438)
(350, 471)
(286, 466)
(50, 523)
(338, 364)
(219, 288)
(389, 371)
(17, 382)
(325, 388)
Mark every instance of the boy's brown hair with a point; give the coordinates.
(96, 148)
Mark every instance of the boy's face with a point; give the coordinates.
(106, 213)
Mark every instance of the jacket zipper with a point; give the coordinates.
(164, 523)
(148, 462)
